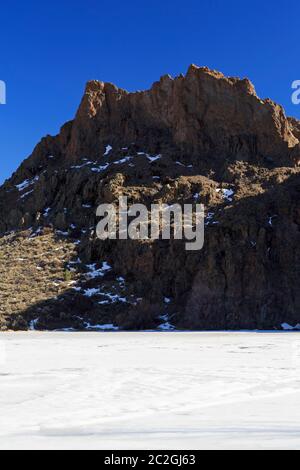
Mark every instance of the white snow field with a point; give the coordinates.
(149, 391)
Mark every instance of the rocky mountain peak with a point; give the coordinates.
(203, 115)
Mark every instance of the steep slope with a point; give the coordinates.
(186, 139)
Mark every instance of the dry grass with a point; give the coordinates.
(32, 269)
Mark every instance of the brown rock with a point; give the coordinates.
(211, 132)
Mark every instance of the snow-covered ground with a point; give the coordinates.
(150, 390)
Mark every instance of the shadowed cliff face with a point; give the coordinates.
(210, 132)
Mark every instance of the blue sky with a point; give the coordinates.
(50, 49)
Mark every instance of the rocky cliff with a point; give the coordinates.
(186, 139)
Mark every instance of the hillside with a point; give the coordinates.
(186, 139)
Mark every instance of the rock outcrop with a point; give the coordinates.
(208, 134)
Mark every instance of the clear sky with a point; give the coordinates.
(49, 49)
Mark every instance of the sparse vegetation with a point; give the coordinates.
(32, 270)
(68, 275)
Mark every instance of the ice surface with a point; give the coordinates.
(123, 160)
(62, 233)
(94, 272)
(78, 167)
(287, 327)
(107, 150)
(26, 194)
(26, 183)
(166, 325)
(270, 220)
(227, 194)
(91, 292)
(150, 390)
(106, 327)
(182, 164)
(46, 211)
(209, 218)
(100, 168)
(153, 158)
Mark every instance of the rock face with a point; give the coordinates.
(208, 134)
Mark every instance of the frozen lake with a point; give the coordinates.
(149, 390)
